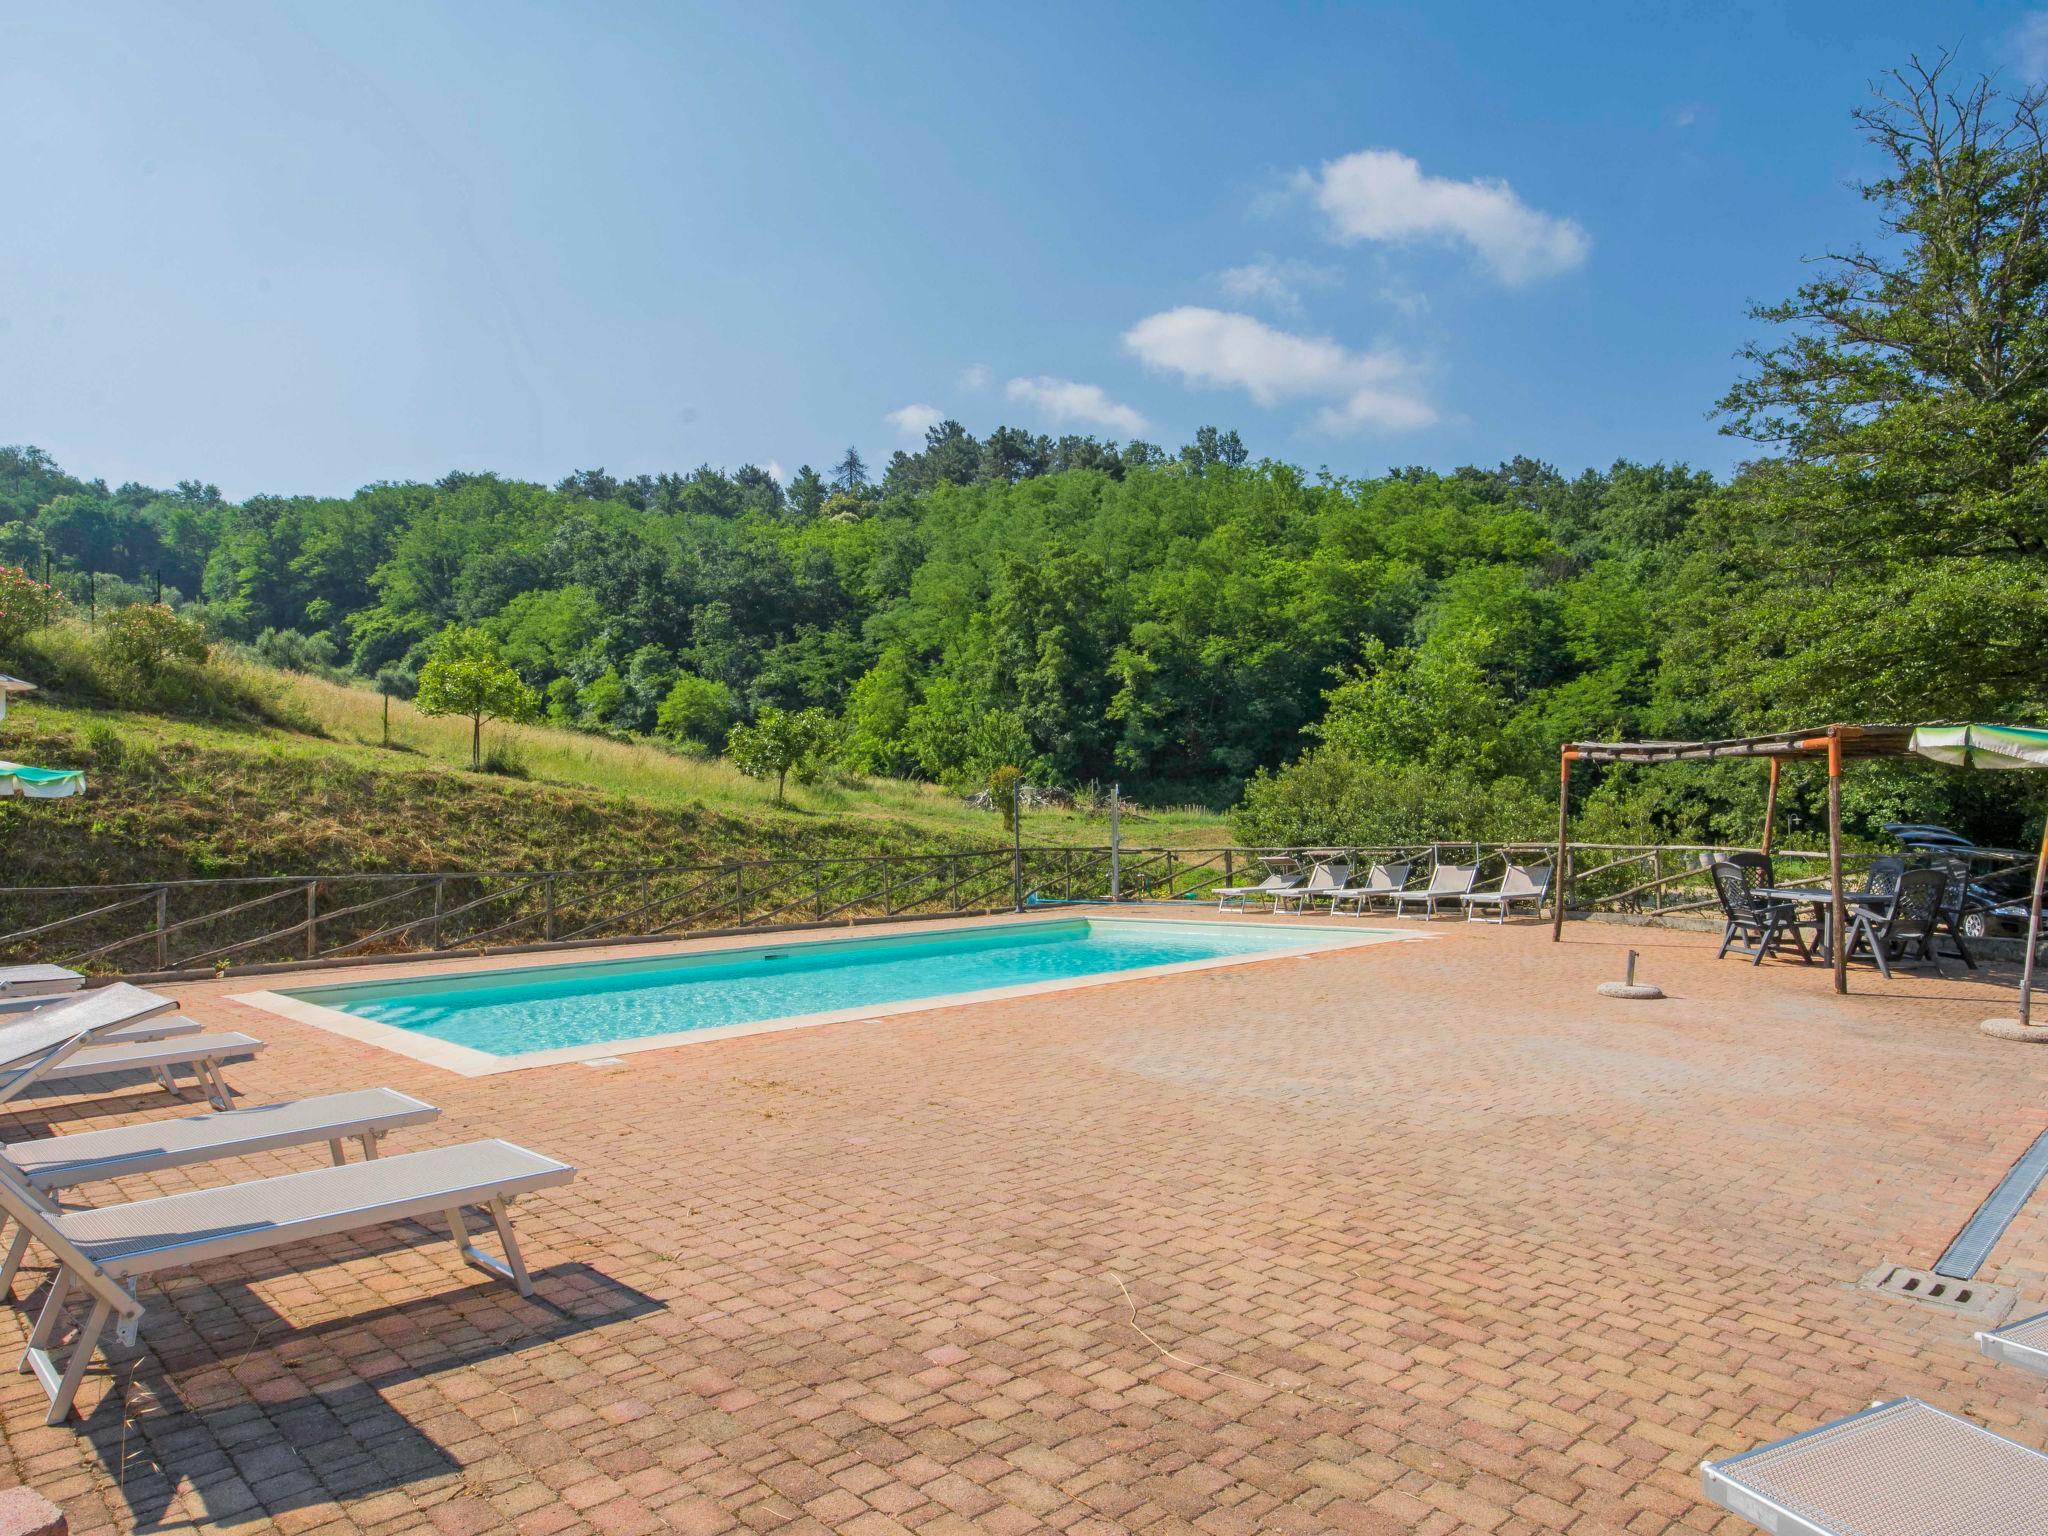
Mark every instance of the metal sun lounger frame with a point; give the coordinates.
(183, 1230)
(1520, 882)
(1445, 882)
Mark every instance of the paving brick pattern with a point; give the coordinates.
(1427, 1237)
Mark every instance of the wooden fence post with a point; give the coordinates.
(312, 919)
(163, 923)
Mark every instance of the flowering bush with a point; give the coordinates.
(25, 603)
(138, 642)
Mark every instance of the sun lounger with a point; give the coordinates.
(1382, 881)
(119, 1012)
(1284, 877)
(38, 980)
(2024, 1343)
(50, 1163)
(1323, 882)
(1446, 883)
(1902, 1468)
(1520, 883)
(104, 1251)
(75, 1057)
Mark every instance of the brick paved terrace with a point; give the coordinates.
(1437, 1240)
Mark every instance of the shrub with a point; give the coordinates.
(1330, 797)
(25, 604)
(290, 651)
(141, 642)
(698, 711)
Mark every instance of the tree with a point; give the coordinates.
(466, 674)
(1910, 402)
(779, 743)
(851, 472)
(807, 493)
(697, 712)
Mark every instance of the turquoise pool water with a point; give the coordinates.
(541, 1008)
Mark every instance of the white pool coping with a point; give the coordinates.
(469, 1062)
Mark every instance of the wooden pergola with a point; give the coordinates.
(1836, 743)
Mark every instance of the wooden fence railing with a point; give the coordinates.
(198, 927)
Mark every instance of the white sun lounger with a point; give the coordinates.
(1268, 889)
(1902, 1468)
(2024, 1343)
(38, 980)
(118, 1012)
(106, 1251)
(73, 1055)
(1446, 882)
(50, 1163)
(1324, 881)
(1522, 882)
(1382, 880)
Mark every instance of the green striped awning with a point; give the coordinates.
(41, 783)
(1983, 746)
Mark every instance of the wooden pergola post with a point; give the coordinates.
(1770, 807)
(2033, 934)
(1840, 907)
(1559, 876)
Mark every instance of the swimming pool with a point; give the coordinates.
(485, 1021)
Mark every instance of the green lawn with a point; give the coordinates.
(175, 797)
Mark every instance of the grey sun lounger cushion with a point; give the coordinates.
(1902, 1468)
(101, 1249)
(205, 1054)
(35, 980)
(2024, 1343)
(57, 1162)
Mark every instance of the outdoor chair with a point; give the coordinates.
(1447, 882)
(136, 1014)
(2023, 1343)
(47, 1164)
(1323, 883)
(1955, 895)
(1902, 931)
(1521, 882)
(38, 980)
(1756, 925)
(82, 1038)
(104, 1252)
(1382, 882)
(1883, 876)
(1898, 1466)
(1239, 897)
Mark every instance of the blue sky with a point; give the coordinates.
(304, 248)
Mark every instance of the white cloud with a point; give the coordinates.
(1382, 194)
(2030, 46)
(976, 377)
(1276, 284)
(1068, 402)
(1209, 346)
(913, 421)
(776, 472)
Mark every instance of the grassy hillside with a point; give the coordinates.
(174, 798)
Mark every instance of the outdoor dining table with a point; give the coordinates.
(1823, 904)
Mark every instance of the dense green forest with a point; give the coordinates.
(1392, 656)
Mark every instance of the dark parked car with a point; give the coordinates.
(1996, 904)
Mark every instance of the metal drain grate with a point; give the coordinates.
(1980, 1303)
